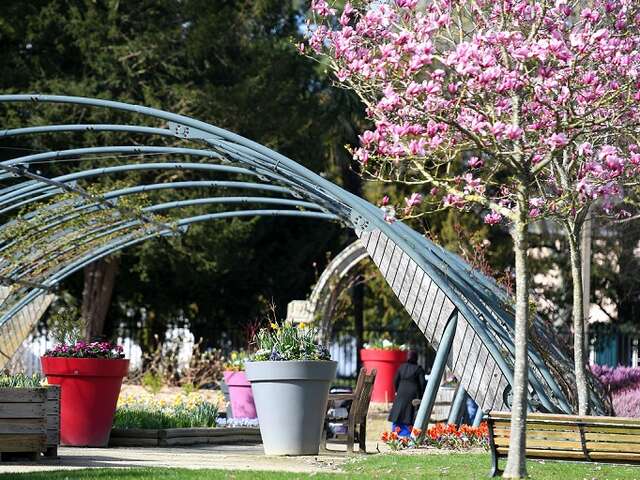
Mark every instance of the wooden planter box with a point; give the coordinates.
(30, 420)
(138, 437)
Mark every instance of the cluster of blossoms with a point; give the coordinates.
(286, 341)
(467, 94)
(440, 435)
(86, 350)
(384, 344)
(237, 360)
(623, 384)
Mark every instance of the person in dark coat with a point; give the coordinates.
(410, 384)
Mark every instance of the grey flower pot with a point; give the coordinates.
(291, 401)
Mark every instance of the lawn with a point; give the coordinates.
(464, 466)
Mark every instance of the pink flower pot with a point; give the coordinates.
(240, 394)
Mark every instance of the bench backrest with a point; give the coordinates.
(572, 436)
(362, 395)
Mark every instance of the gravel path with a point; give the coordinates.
(229, 457)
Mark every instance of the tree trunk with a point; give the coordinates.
(99, 279)
(516, 461)
(577, 314)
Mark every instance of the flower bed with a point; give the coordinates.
(148, 421)
(623, 384)
(441, 435)
(147, 412)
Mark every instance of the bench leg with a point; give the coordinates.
(495, 471)
(362, 437)
(351, 433)
(51, 452)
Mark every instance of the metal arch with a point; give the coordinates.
(398, 245)
(126, 241)
(99, 230)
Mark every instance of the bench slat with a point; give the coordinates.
(541, 426)
(613, 447)
(613, 437)
(541, 453)
(537, 434)
(543, 444)
(571, 418)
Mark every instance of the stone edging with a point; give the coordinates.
(138, 437)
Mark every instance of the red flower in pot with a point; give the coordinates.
(90, 376)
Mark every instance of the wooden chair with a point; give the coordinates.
(568, 437)
(360, 399)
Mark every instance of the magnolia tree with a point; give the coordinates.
(525, 109)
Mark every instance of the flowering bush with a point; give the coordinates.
(618, 378)
(440, 435)
(86, 350)
(287, 341)
(623, 384)
(184, 411)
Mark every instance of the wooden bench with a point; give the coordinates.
(357, 418)
(568, 437)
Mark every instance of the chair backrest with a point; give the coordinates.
(362, 395)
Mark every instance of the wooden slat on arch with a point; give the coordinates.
(430, 308)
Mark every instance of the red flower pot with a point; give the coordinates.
(240, 395)
(386, 362)
(89, 390)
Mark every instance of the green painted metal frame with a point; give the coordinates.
(483, 304)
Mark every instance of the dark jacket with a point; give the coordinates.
(410, 384)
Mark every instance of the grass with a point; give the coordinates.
(396, 467)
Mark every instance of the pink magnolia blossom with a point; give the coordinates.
(572, 69)
(492, 218)
(475, 162)
(413, 200)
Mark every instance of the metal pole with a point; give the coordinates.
(478, 418)
(456, 406)
(437, 372)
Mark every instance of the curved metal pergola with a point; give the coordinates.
(462, 313)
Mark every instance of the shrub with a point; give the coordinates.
(205, 366)
(152, 382)
(623, 384)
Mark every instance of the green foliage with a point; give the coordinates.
(233, 64)
(152, 382)
(179, 415)
(286, 341)
(65, 323)
(20, 380)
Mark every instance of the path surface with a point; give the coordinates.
(236, 457)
